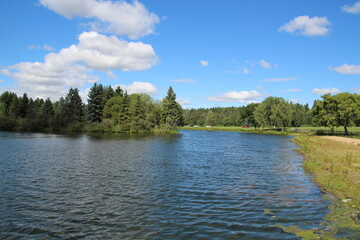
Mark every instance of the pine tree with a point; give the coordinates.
(172, 111)
(124, 115)
(139, 116)
(95, 103)
(74, 107)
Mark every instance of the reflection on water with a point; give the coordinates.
(211, 185)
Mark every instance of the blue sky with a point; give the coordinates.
(213, 53)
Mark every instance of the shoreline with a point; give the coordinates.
(334, 163)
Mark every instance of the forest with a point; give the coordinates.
(107, 110)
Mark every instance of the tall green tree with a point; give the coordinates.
(125, 114)
(341, 109)
(23, 106)
(95, 104)
(74, 107)
(138, 115)
(172, 111)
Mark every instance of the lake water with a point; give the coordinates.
(195, 185)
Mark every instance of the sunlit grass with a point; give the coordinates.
(335, 165)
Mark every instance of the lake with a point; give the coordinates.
(194, 185)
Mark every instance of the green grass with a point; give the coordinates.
(335, 165)
(336, 170)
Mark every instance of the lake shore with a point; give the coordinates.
(335, 164)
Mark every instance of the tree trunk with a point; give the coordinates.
(346, 130)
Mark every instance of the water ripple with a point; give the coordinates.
(197, 185)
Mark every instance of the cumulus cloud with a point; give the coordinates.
(184, 80)
(322, 91)
(233, 96)
(73, 66)
(280, 79)
(355, 9)
(347, 69)
(204, 63)
(139, 87)
(116, 17)
(305, 25)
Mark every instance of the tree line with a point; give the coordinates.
(342, 109)
(107, 110)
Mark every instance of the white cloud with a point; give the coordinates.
(294, 100)
(250, 63)
(204, 63)
(246, 71)
(184, 80)
(292, 90)
(355, 9)
(44, 47)
(322, 91)
(280, 79)
(111, 75)
(183, 101)
(347, 69)
(304, 25)
(139, 87)
(73, 66)
(265, 64)
(117, 17)
(355, 90)
(240, 97)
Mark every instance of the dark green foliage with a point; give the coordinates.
(119, 92)
(229, 116)
(95, 103)
(138, 115)
(73, 106)
(107, 111)
(124, 114)
(171, 116)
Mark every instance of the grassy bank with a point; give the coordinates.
(335, 165)
(336, 170)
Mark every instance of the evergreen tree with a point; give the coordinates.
(23, 106)
(119, 92)
(138, 122)
(172, 111)
(124, 115)
(74, 107)
(48, 109)
(95, 103)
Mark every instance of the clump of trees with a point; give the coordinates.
(272, 112)
(342, 109)
(107, 110)
(229, 116)
(276, 112)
